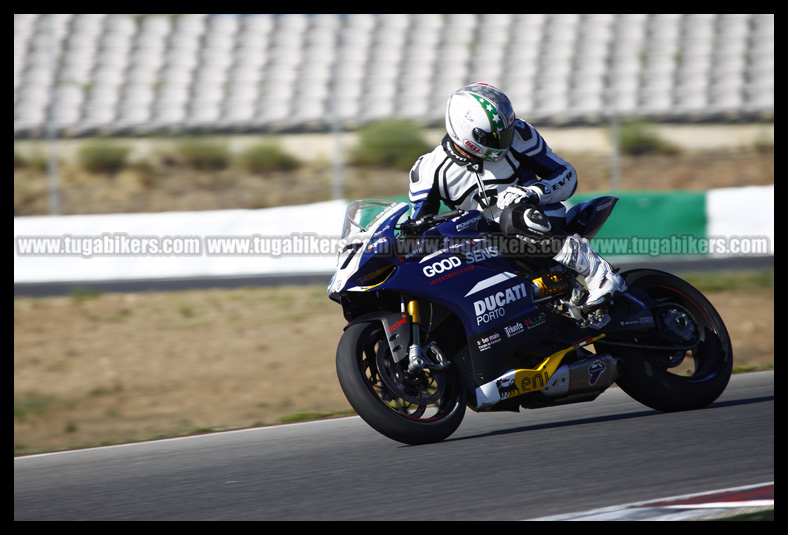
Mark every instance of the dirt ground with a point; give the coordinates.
(118, 367)
(96, 369)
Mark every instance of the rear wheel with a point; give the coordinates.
(686, 361)
(412, 408)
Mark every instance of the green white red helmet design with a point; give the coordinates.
(480, 120)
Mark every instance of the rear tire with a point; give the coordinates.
(654, 377)
(412, 409)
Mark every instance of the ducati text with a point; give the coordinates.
(493, 306)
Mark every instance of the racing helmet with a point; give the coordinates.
(480, 120)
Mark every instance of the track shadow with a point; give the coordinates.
(601, 419)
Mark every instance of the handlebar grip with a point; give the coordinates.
(416, 225)
(449, 215)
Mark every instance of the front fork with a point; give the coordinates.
(429, 356)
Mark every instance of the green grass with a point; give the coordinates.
(732, 281)
(32, 404)
(759, 516)
(304, 416)
(295, 417)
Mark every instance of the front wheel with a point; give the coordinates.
(690, 375)
(410, 408)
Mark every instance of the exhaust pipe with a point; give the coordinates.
(596, 372)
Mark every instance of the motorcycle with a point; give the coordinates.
(443, 317)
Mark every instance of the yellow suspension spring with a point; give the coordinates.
(549, 285)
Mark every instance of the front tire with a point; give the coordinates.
(409, 408)
(671, 380)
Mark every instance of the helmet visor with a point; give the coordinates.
(495, 140)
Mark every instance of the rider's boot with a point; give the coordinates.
(602, 281)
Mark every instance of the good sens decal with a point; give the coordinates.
(439, 267)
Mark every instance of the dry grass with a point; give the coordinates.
(156, 188)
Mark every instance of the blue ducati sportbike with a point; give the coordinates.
(445, 313)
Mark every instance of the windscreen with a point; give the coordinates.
(360, 215)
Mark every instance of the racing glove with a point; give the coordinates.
(515, 194)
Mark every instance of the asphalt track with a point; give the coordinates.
(496, 467)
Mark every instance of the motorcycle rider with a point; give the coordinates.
(491, 160)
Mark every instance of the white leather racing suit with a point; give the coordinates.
(445, 175)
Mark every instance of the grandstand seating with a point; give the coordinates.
(139, 74)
